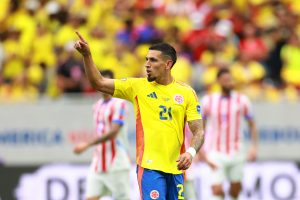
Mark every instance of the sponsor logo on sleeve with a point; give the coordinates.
(199, 109)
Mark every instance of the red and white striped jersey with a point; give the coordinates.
(224, 117)
(110, 155)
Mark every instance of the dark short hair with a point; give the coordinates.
(222, 71)
(107, 73)
(166, 50)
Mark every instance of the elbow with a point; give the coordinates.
(111, 136)
(114, 133)
(96, 85)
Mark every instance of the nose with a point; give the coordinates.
(147, 64)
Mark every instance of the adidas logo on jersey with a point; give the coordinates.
(152, 95)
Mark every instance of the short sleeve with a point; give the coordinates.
(119, 112)
(205, 104)
(193, 110)
(123, 89)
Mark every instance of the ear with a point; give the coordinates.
(169, 64)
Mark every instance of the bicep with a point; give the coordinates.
(123, 88)
(118, 114)
(250, 122)
(115, 128)
(106, 85)
(193, 109)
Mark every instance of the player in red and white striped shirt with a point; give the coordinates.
(110, 167)
(224, 113)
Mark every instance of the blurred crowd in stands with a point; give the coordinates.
(259, 40)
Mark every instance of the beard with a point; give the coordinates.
(150, 79)
(226, 90)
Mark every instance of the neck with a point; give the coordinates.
(226, 93)
(166, 80)
(107, 98)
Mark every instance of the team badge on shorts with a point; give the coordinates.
(178, 98)
(154, 194)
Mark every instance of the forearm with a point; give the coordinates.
(97, 81)
(91, 71)
(196, 128)
(204, 124)
(197, 140)
(253, 133)
(103, 138)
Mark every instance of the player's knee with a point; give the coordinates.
(217, 190)
(234, 193)
(92, 198)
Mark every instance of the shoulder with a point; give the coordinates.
(135, 79)
(96, 104)
(184, 87)
(211, 96)
(242, 97)
(131, 81)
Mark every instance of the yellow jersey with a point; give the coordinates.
(161, 112)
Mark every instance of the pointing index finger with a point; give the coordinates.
(80, 37)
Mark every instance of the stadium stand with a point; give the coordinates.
(257, 39)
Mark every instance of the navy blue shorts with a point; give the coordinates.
(155, 184)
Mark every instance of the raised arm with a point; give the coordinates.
(185, 159)
(97, 81)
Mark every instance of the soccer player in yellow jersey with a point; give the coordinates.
(162, 107)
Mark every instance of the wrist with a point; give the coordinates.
(191, 151)
(86, 54)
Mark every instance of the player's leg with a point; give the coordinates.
(217, 192)
(189, 190)
(175, 186)
(93, 198)
(95, 187)
(152, 184)
(235, 189)
(235, 174)
(189, 187)
(218, 175)
(118, 183)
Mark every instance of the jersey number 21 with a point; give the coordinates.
(165, 113)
